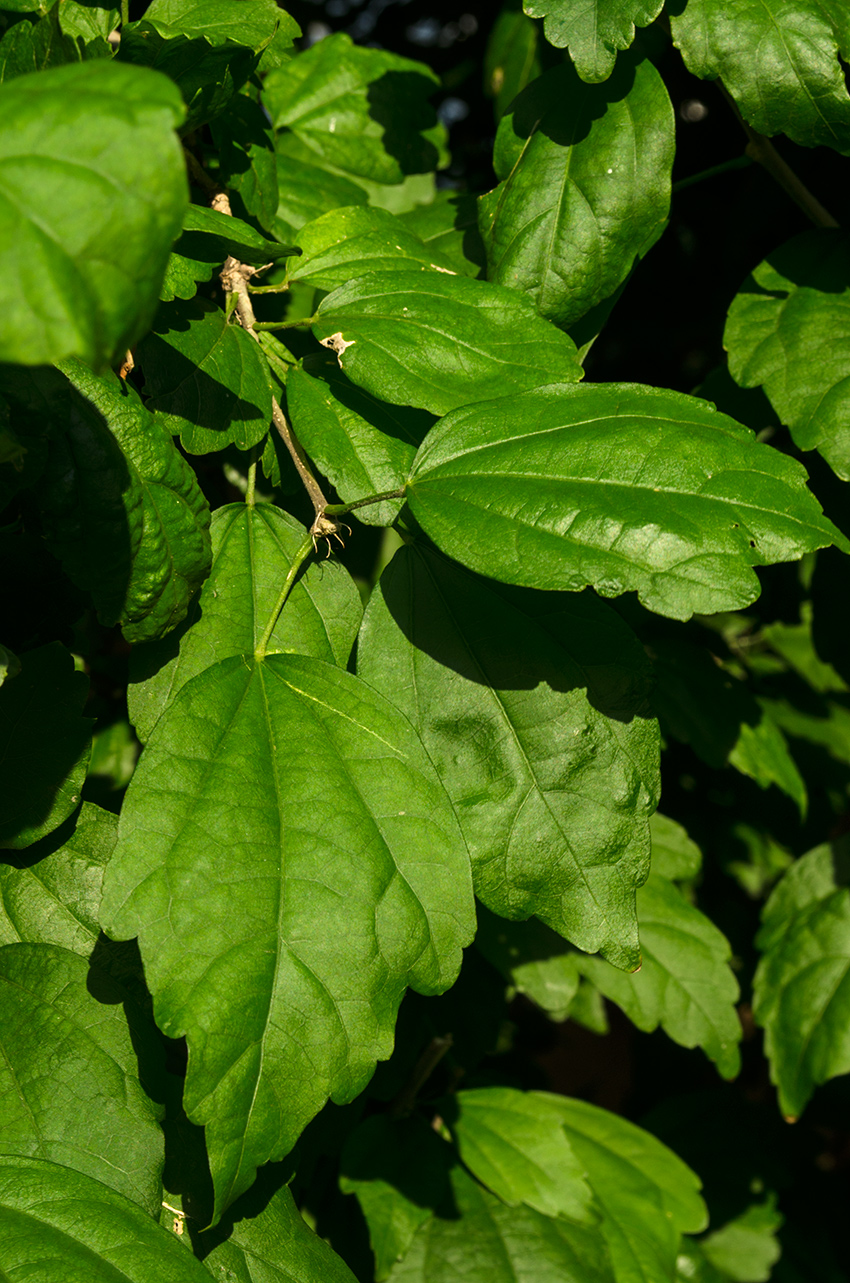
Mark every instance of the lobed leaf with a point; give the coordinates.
(292, 821)
(531, 710)
(85, 240)
(618, 486)
(593, 32)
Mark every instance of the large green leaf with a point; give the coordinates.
(364, 111)
(358, 240)
(684, 984)
(480, 1240)
(242, 22)
(801, 993)
(532, 709)
(363, 445)
(438, 341)
(513, 1142)
(449, 225)
(51, 895)
(44, 745)
(789, 330)
(307, 190)
(253, 549)
(292, 821)
(57, 1224)
(593, 32)
(779, 59)
(69, 1089)
(585, 187)
(122, 509)
(648, 1196)
(619, 486)
(206, 378)
(92, 193)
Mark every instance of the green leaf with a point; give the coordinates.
(788, 329)
(51, 895)
(399, 1171)
(292, 820)
(206, 378)
(69, 1074)
(674, 855)
(59, 1224)
(206, 231)
(648, 1196)
(85, 243)
(801, 994)
(45, 745)
(271, 1244)
(594, 32)
(512, 57)
(684, 984)
(364, 111)
(449, 226)
(253, 548)
(363, 445)
(28, 47)
(309, 190)
(619, 486)
(481, 1240)
(745, 1249)
(122, 508)
(438, 342)
(513, 1142)
(761, 752)
(585, 187)
(91, 22)
(531, 710)
(535, 960)
(242, 22)
(356, 241)
(248, 167)
(794, 642)
(10, 665)
(778, 60)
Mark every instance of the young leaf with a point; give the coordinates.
(685, 983)
(253, 548)
(59, 1224)
(513, 1142)
(788, 329)
(122, 508)
(780, 63)
(69, 1074)
(674, 855)
(594, 32)
(206, 379)
(293, 822)
(363, 445)
(552, 793)
(533, 958)
(801, 995)
(585, 187)
(51, 895)
(745, 1249)
(356, 241)
(85, 243)
(364, 111)
(45, 745)
(618, 486)
(439, 342)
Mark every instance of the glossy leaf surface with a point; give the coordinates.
(507, 693)
(85, 243)
(585, 187)
(593, 32)
(617, 486)
(438, 341)
(314, 869)
(356, 241)
(788, 330)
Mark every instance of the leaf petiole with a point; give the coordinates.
(292, 574)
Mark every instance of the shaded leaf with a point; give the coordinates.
(674, 855)
(206, 231)
(779, 61)
(618, 486)
(69, 1089)
(364, 111)
(530, 708)
(438, 341)
(512, 57)
(28, 47)
(85, 243)
(745, 1249)
(593, 32)
(248, 167)
(249, 22)
(449, 225)
(533, 958)
(789, 330)
(253, 548)
(585, 187)
(44, 1235)
(206, 379)
(45, 745)
(87, 20)
(356, 241)
(51, 895)
(292, 820)
(307, 190)
(801, 995)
